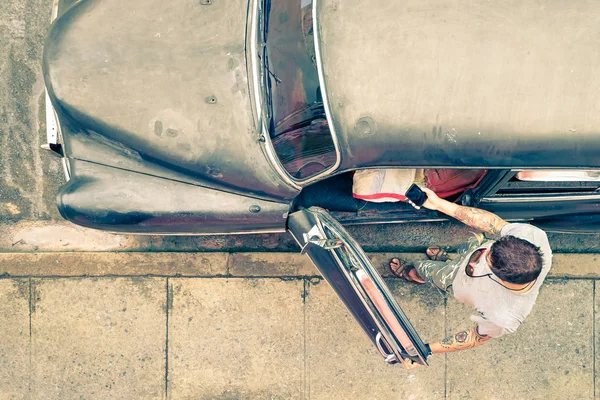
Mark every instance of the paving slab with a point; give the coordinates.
(550, 356)
(343, 363)
(106, 264)
(99, 338)
(576, 266)
(14, 338)
(271, 264)
(234, 338)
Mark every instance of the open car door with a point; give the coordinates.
(348, 270)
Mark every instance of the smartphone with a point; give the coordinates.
(416, 195)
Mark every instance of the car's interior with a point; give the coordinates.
(335, 193)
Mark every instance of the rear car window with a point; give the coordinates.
(552, 182)
(298, 125)
(557, 175)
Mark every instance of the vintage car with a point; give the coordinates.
(237, 116)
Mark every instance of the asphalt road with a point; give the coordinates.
(29, 176)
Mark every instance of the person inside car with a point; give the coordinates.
(499, 278)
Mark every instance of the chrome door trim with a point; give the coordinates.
(382, 325)
(53, 130)
(392, 323)
(530, 199)
(388, 358)
(385, 328)
(51, 119)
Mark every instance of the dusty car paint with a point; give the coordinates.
(179, 99)
(487, 84)
(121, 201)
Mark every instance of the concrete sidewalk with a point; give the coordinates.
(265, 326)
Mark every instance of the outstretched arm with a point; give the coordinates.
(461, 341)
(483, 220)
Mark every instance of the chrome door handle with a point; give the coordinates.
(327, 244)
(389, 358)
(314, 237)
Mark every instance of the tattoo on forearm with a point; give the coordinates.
(464, 340)
(480, 219)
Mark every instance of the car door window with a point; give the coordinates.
(297, 123)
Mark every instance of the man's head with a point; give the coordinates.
(515, 260)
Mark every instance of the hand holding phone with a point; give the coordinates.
(416, 196)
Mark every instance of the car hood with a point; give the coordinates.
(462, 83)
(164, 84)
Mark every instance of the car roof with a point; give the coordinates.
(431, 83)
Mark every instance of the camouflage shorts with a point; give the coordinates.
(441, 274)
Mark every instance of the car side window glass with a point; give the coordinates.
(551, 182)
(557, 175)
(298, 126)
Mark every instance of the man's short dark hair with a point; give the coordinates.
(515, 260)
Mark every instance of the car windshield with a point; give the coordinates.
(293, 103)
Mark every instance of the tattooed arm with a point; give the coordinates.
(461, 341)
(483, 220)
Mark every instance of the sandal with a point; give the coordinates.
(406, 272)
(436, 253)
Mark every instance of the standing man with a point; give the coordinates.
(500, 279)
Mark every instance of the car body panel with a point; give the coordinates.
(176, 89)
(456, 84)
(122, 201)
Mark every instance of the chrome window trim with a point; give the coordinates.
(562, 175)
(529, 199)
(264, 132)
(51, 119)
(53, 130)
